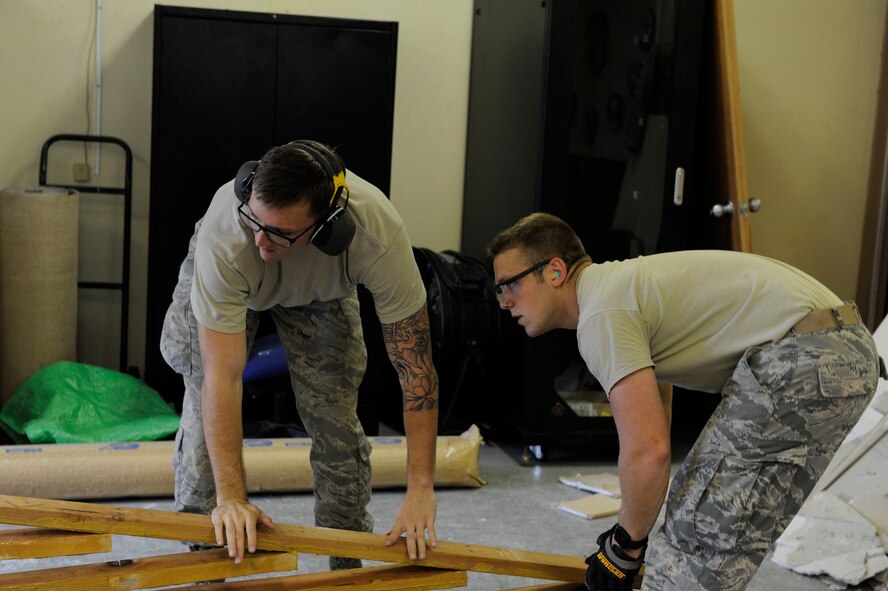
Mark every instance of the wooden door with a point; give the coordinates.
(730, 182)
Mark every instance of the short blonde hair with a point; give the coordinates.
(541, 236)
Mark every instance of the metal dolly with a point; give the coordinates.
(127, 192)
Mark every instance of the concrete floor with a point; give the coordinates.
(516, 509)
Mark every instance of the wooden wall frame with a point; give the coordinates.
(444, 567)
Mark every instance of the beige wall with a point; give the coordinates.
(44, 55)
(809, 71)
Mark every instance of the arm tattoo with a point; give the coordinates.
(409, 348)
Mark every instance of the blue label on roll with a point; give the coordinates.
(386, 440)
(119, 446)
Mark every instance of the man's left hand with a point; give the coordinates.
(416, 515)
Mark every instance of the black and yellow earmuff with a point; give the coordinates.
(336, 228)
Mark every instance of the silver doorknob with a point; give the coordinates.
(754, 205)
(720, 210)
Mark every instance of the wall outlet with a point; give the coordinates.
(81, 172)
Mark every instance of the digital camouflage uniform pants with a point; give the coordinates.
(783, 415)
(326, 358)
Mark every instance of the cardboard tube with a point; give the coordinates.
(38, 271)
(144, 469)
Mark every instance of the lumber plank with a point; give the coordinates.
(374, 578)
(143, 573)
(551, 587)
(41, 543)
(636, 584)
(169, 525)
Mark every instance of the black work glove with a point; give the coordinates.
(611, 569)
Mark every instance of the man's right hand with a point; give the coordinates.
(611, 569)
(235, 522)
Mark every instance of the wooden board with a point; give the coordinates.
(636, 584)
(153, 523)
(143, 573)
(374, 578)
(41, 543)
(551, 587)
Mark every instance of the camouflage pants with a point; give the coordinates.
(326, 358)
(784, 413)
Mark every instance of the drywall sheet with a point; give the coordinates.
(592, 506)
(603, 483)
(830, 539)
(841, 532)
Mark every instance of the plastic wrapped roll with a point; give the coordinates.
(145, 469)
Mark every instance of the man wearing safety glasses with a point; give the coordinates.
(794, 365)
(292, 236)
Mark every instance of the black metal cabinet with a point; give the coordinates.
(586, 109)
(229, 85)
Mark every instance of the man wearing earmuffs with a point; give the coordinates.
(292, 235)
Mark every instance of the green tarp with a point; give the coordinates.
(69, 402)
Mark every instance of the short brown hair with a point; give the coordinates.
(289, 174)
(541, 236)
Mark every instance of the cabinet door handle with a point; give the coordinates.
(679, 190)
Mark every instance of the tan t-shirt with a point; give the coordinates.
(690, 315)
(230, 277)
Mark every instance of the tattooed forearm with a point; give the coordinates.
(410, 350)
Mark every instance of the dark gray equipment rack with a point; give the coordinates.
(127, 192)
